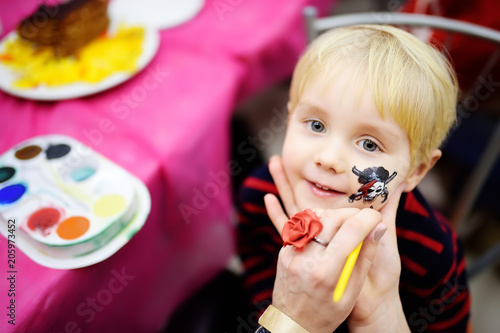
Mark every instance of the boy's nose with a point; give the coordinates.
(330, 158)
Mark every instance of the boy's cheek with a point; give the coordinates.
(372, 186)
(377, 203)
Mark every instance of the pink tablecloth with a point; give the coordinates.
(169, 127)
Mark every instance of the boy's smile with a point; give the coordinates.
(324, 191)
(334, 127)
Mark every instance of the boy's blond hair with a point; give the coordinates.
(411, 81)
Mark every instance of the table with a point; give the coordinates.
(169, 126)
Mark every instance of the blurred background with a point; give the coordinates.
(240, 71)
(480, 231)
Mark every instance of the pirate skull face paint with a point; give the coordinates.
(373, 183)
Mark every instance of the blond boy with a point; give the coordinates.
(369, 108)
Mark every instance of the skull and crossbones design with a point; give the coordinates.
(373, 183)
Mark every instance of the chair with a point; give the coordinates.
(476, 181)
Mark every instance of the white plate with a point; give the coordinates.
(37, 254)
(150, 46)
(106, 251)
(159, 14)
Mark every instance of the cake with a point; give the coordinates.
(65, 27)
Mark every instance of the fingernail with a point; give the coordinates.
(379, 233)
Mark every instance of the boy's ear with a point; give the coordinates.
(421, 170)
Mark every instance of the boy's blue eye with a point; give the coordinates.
(316, 126)
(369, 145)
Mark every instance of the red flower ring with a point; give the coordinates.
(300, 229)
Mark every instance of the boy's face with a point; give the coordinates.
(334, 128)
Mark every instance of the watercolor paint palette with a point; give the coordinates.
(72, 206)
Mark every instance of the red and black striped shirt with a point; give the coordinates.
(433, 284)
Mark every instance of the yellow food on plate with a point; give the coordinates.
(99, 59)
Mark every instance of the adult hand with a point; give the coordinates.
(378, 307)
(305, 280)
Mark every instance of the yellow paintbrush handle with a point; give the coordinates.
(346, 273)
